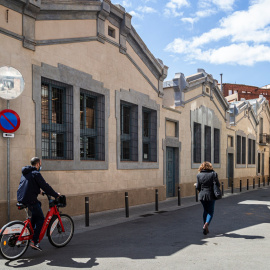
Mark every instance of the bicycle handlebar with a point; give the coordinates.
(60, 201)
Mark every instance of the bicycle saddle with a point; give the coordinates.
(21, 205)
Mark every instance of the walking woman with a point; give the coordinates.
(205, 180)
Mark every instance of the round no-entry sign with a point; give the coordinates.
(9, 121)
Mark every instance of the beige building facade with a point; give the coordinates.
(92, 104)
(233, 136)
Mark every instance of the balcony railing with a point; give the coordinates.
(264, 139)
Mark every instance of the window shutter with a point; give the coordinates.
(216, 145)
(253, 152)
(207, 143)
(197, 143)
(238, 149)
(243, 150)
(249, 151)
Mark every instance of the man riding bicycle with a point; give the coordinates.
(30, 184)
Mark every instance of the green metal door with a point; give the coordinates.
(170, 172)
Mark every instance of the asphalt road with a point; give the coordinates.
(239, 239)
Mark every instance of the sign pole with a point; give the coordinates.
(12, 87)
(8, 173)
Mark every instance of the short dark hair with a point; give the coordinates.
(35, 161)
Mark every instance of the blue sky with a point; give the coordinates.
(221, 36)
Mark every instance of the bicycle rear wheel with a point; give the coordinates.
(56, 236)
(10, 247)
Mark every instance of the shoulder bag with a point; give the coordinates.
(217, 191)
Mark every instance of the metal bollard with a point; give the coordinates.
(86, 211)
(232, 187)
(240, 185)
(179, 197)
(126, 204)
(247, 184)
(196, 194)
(264, 181)
(156, 200)
(222, 188)
(253, 183)
(259, 183)
(268, 180)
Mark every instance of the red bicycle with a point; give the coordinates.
(15, 235)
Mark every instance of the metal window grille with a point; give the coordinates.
(243, 150)
(57, 120)
(238, 153)
(92, 126)
(216, 145)
(207, 143)
(197, 143)
(149, 135)
(129, 131)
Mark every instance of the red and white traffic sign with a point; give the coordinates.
(9, 121)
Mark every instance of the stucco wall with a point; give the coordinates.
(11, 20)
(105, 64)
(59, 29)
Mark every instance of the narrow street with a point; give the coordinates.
(239, 239)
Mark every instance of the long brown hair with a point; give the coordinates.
(206, 166)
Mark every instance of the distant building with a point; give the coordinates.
(246, 91)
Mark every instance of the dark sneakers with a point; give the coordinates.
(35, 246)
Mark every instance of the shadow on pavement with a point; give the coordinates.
(160, 235)
(234, 235)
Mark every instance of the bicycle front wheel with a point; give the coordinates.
(10, 247)
(56, 236)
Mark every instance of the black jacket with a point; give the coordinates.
(205, 184)
(30, 185)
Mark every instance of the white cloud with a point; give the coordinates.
(205, 13)
(127, 3)
(136, 14)
(173, 7)
(145, 9)
(242, 54)
(198, 15)
(248, 34)
(225, 5)
(190, 20)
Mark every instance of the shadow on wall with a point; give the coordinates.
(153, 236)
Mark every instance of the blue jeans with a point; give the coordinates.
(208, 207)
(37, 219)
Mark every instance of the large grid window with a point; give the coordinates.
(149, 135)
(129, 131)
(251, 151)
(241, 149)
(197, 143)
(207, 143)
(57, 120)
(216, 145)
(92, 139)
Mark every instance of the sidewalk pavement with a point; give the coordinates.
(117, 216)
